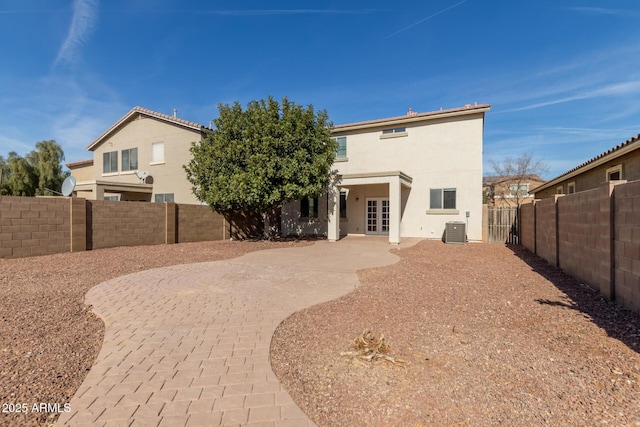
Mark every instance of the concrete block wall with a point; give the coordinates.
(545, 226)
(584, 237)
(200, 223)
(47, 225)
(627, 244)
(126, 223)
(598, 237)
(34, 226)
(527, 226)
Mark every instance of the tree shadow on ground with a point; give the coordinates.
(619, 323)
(292, 238)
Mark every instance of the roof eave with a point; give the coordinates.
(147, 113)
(433, 115)
(633, 145)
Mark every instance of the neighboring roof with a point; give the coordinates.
(412, 116)
(612, 153)
(139, 111)
(80, 163)
(494, 179)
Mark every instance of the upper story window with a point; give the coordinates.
(559, 189)
(157, 152)
(110, 162)
(521, 189)
(342, 147)
(394, 132)
(614, 173)
(130, 159)
(571, 187)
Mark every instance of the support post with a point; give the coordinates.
(395, 210)
(333, 213)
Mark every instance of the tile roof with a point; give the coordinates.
(149, 113)
(80, 163)
(612, 153)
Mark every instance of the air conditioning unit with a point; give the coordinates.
(455, 232)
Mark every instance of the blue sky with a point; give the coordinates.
(562, 77)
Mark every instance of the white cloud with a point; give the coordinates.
(85, 13)
(606, 11)
(265, 12)
(615, 89)
(425, 19)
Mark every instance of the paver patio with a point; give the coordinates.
(188, 345)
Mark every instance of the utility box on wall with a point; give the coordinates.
(455, 232)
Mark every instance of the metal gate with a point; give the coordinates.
(503, 225)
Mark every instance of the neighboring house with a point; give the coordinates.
(404, 176)
(621, 162)
(509, 191)
(140, 158)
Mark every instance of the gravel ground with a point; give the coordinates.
(491, 335)
(49, 338)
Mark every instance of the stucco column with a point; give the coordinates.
(394, 210)
(98, 192)
(333, 213)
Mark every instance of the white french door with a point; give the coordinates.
(377, 215)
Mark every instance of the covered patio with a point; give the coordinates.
(383, 197)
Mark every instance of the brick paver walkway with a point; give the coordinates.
(188, 345)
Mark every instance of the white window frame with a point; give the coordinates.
(157, 148)
(435, 210)
(111, 154)
(340, 140)
(520, 189)
(129, 167)
(571, 187)
(164, 197)
(397, 132)
(614, 169)
(559, 189)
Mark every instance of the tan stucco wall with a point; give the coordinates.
(83, 173)
(445, 153)
(442, 153)
(597, 176)
(169, 176)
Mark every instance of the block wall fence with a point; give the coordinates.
(593, 235)
(32, 226)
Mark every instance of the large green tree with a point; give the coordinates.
(34, 174)
(21, 176)
(47, 160)
(258, 158)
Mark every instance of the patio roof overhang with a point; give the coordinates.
(395, 181)
(374, 178)
(114, 187)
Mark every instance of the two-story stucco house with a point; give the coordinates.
(141, 158)
(404, 176)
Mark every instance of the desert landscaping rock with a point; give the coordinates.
(492, 336)
(49, 338)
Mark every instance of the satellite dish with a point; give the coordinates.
(68, 185)
(142, 175)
